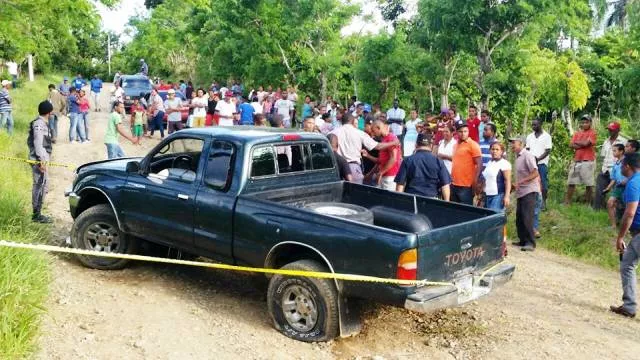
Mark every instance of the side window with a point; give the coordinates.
(263, 162)
(220, 165)
(290, 158)
(321, 156)
(177, 160)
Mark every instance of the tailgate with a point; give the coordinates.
(450, 252)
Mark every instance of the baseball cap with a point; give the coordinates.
(586, 117)
(516, 138)
(229, 93)
(444, 111)
(171, 91)
(45, 107)
(5, 82)
(66, 78)
(367, 108)
(615, 126)
(424, 139)
(460, 124)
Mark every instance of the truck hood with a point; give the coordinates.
(109, 165)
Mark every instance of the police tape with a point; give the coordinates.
(35, 162)
(302, 273)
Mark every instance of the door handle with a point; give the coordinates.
(183, 197)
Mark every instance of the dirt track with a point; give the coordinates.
(554, 307)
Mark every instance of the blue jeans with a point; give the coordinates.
(536, 212)
(85, 117)
(6, 120)
(156, 123)
(53, 126)
(628, 274)
(462, 194)
(114, 151)
(495, 202)
(76, 129)
(544, 177)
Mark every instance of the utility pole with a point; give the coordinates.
(109, 52)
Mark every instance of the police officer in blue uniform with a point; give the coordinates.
(39, 142)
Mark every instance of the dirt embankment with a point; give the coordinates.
(554, 308)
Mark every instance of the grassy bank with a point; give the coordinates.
(24, 275)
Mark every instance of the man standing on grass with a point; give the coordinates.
(539, 144)
(6, 118)
(630, 223)
(473, 123)
(39, 142)
(466, 166)
(114, 127)
(582, 169)
(59, 103)
(527, 187)
(604, 177)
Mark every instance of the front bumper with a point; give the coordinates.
(467, 289)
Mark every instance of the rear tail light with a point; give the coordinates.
(290, 137)
(408, 265)
(504, 242)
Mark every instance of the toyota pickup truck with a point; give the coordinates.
(273, 199)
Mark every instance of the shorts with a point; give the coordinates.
(582, 173)
(617, 192)
(198, 121)
(138, 130)
(388, 183)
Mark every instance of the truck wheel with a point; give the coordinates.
(97, 229)
(302, 308)
(342, 210)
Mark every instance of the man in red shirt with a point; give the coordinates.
(388, 161)
(473, 123)
(582, 169)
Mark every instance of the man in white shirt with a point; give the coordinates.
(606, 153)
(539, 144)
(225, 110)
(395, 117)
(12, 68)
(350, 144)
(284, 108)
(322, 109)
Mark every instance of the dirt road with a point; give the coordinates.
(554, 308)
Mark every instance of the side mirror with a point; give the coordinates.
(133, 167)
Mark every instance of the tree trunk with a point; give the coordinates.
(285, 61)
(323, 86)
(525, 121)
(431, 97)
(450, 68)
(567, 120)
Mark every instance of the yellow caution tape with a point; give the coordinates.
(313, 274)
(35, 162)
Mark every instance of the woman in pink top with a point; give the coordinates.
(83, 104)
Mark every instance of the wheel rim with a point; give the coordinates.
(299, 308)
(102, 237)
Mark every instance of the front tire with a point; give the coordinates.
(303, 308)
(97, 229)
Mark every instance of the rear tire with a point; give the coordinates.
(302, 308)
(97, 229)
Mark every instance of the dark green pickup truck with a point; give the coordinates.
(273, 199)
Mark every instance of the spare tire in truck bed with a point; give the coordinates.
(401, 220)
(342, 210)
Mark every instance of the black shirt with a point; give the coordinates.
(343, 166)
(423, 174)
(211, 107)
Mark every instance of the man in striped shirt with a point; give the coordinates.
(6, 119)
(488, 138)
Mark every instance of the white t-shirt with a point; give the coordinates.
(257, 107)
(447, 149)
(491, 172)
(225, 109)
(284, 107)
(351, 141)
(12, 67)
(118, 94)
(174, 104)
(200, 111)
(537, 146)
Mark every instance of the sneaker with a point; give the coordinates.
(39, 218)
(537, 234)
(528, 248)
(621, 311)
(87, 141)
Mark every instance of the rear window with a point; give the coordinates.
(321, 157)
(136, 84)
(263, 162)
(291, 158)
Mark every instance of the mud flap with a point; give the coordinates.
(350, 316)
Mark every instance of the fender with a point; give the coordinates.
(110, 203)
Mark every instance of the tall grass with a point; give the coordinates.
(24, 275)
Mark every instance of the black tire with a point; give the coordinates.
(321, 295)
(98, 219)
(352, 212)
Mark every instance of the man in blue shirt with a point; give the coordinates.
(64, 87)
(246, 113)
(422, 173)
(630, 254)
(488, 138)
(96, 86)
(79, 82)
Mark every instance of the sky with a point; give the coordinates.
(116, 20)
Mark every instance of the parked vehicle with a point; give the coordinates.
(273, 199)
(133, 86)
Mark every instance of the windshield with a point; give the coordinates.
(136, 84)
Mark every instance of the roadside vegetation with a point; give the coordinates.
(24, 275)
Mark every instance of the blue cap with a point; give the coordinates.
(66, 78)
(367, 108)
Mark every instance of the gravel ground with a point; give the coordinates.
(554, 308)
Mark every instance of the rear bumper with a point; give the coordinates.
(432, 298)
